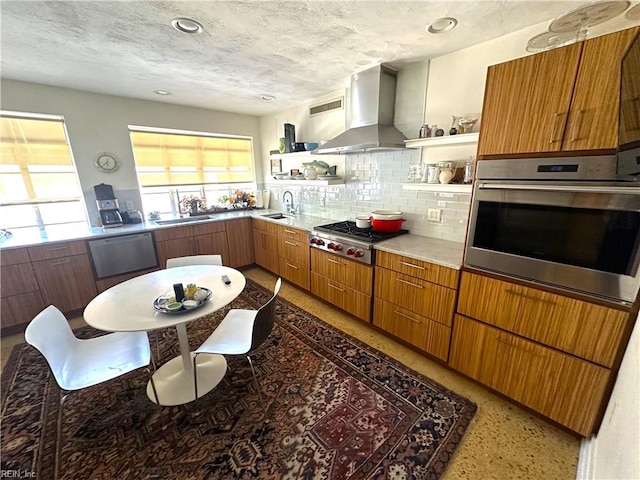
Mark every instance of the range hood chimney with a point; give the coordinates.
(373, 96)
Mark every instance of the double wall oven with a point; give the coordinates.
(563, 222)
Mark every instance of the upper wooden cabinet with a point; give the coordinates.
(564, 99)
(630, 96)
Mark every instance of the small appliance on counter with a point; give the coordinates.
(107, 206)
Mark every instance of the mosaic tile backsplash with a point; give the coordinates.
(374, 182)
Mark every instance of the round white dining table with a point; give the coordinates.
(128, 307)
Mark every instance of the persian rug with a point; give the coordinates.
(337, 409)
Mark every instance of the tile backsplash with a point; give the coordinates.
(373, 181)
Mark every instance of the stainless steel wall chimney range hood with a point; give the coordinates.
(373, 96)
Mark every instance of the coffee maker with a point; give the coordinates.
(107, 206)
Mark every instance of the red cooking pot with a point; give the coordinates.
(387, 226)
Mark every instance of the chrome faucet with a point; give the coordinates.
(290, 207)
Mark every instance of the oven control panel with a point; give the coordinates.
(343, 248)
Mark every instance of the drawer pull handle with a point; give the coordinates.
(518, 347)
(289, 231)
(52, 249)
(409, 283)
(528, 297)
(292, 266)
(61, 262)
(334, 261)
(292, 244)
(576, 126)
(413, 266)
(334, 287)
(406, 316)
(554, 128)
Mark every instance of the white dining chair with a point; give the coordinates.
(194, 260)
(241, 332)
(77, 363)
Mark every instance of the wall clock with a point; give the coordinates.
(107, 163)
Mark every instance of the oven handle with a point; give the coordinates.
(561, 188)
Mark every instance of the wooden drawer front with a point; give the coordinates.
(205, 228)
(343, 297)
(295, 273)
(18, 279)
(66, 282)
(294, 251)
(427, 335)
(424, 298)
(356, 275)
(592, 332)
(267, 226)
(20, 309)
(419, 269)
(173, 233)
(57, 250)
(292, 234)
(14, 256)
(562, 387)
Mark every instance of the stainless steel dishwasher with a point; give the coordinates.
(123, 254)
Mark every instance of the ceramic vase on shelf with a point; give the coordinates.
(446, 173)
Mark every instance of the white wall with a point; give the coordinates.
(99, 123)
(613, 453)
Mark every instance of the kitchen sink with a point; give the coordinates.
(174, 221)
(277, 216)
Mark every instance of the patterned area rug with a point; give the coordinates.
(338, 409)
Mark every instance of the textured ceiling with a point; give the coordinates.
(295, 50)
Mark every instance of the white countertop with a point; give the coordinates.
(434, 250)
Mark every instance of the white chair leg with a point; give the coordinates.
(195, 377)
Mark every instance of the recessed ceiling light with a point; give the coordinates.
(441, 25)
(187, 25)
(162, 92)
(268, 98)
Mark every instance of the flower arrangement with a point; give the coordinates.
(194, 204)
(239, 198)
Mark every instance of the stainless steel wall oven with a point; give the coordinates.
(562, 222)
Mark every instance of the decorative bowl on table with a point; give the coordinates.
(166, 303)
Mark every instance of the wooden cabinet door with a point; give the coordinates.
(526, 102)
(66, 282)
(424, 298)
(347, 272)
(240, 238)
(343, 297)
(429, 336)
(593, 119)
(630, 95)
(562, 322)
(265, 247)
(294, 272)
(179, 247)
(562, 387)
(212, 244)
(20, 309)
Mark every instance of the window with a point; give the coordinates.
(39, 187)
(172, 165)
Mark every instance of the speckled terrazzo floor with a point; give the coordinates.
(503, 441)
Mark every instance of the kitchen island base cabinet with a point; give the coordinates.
(562, 387)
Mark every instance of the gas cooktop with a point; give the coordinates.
(349, 229)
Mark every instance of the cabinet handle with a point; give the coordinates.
(528, 297)
(409, 283)
(52, 249)
(61, 262)
(334, 287)
(406, 316)
(575, 131)
(414, 266)
(289, 231)
(292, 266)
(292, 244)
(554, 127)
(518, 347)
(334, 261)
